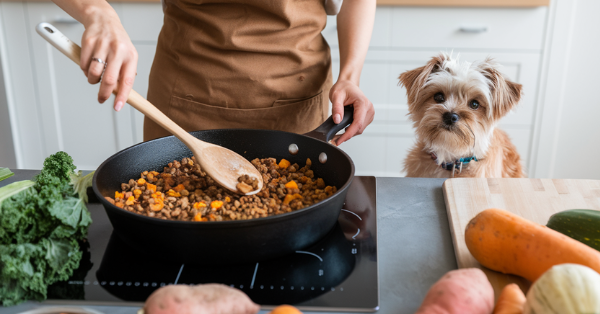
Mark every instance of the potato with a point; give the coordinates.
(463, 291)
(200, 299)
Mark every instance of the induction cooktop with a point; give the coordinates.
(338, 273)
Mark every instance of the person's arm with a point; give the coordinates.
(355, 25)
(104, 38)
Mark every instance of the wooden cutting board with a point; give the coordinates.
(533, 199)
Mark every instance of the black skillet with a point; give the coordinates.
(230, 241)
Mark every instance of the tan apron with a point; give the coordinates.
(259, 64)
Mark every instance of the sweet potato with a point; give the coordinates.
(510, 244)
(285, 309)
(463, 291)
(200, 299)
(511, 300)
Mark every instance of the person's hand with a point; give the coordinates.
(105, 38)
(345, 93)
(200, 299)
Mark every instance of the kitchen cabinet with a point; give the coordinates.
(56, 109)
(399, 44)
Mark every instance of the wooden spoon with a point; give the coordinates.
(223, 165)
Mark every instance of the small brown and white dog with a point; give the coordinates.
(455, 107)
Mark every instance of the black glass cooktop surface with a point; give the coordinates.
(338, 273)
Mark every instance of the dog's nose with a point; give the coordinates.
(450, 118)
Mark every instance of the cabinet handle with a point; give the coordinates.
(473, 29)
(65, 20)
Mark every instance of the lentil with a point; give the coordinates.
(191, 195)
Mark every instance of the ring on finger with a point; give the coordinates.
(100, 61)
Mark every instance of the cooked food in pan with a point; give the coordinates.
(184, 192)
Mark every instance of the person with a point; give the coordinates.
(235, 63)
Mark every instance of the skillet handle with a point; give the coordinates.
(326, 131)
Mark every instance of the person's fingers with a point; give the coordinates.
(110, 76)
(96, 68)
(125, 83)
(337, 108)
(359, 124)
(87, 48)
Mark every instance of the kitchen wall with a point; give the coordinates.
(569, 133)
(7, 151)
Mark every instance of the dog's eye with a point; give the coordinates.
(439, 98)
(474, 104)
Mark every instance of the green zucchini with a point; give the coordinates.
(582, 225)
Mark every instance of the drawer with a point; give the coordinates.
(379, 78)
(382, 29)
(473, 28)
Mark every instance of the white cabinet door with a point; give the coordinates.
(70, 116)
(18, 79)
(64, 106)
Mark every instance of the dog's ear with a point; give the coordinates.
(505, 94)
(414, 80)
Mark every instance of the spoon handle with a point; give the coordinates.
(73, 51)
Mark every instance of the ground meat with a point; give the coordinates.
(184, 192)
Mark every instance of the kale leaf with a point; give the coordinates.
(41, 222)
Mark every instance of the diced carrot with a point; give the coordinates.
(199, 217)
(130, 201)
(157, 206)
(179, 188)
(284, 163)
(288, 198)
(291, 185)
(227, 199)
(137, 193)
(151, 187)
(119, 195)
(199, 205)
(141, 181)
(173, 193)
(216, 204)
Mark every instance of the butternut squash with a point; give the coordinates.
(510, 244)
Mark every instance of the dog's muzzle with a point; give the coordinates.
(450, 118)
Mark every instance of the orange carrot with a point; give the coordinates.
(130, 201)
(284, 163)
(511, 300)
(291, 185)
(151, 187)
(510, 244)
(216, 204)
